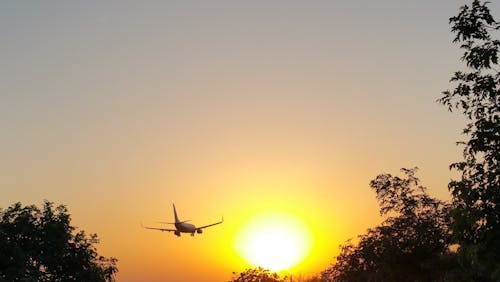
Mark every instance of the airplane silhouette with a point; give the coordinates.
(182, 226)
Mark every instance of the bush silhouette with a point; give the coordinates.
(412, 244)
(40, 245)
(258, 274)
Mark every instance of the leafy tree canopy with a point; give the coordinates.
(258, 274)
(476, 196)
(410, 245)
(413, 243)
(40, 245)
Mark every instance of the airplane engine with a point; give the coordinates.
(177, 233)
(199, 231)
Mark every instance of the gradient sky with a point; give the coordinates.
(117, 109)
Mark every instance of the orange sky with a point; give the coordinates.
(120, 109)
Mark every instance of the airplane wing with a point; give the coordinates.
(160, 229)
(211, 224)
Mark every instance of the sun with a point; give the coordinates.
(274, 241)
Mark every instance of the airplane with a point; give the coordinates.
(182, 226)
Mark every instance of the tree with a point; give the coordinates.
(40, 245)
(476, 195)
(412, 244)
(258, 274)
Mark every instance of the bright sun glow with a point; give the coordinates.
(276, 242)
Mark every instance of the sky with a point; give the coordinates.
(241, 109)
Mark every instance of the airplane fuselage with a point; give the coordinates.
(185, 227)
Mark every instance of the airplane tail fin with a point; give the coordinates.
(175, 215)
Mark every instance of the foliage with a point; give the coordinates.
(412, 244)
(311, 279)
(40, 245)
(258, 274)
(476, 196)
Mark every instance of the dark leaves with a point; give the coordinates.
(410, 245)
(476, 196)
(258, 274)
(39, 245)
(473, 22)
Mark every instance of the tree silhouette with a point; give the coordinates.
(258, 274)
(410, 245)
(40, 245)
(476, 196)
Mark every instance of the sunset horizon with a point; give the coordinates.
(265, 123)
